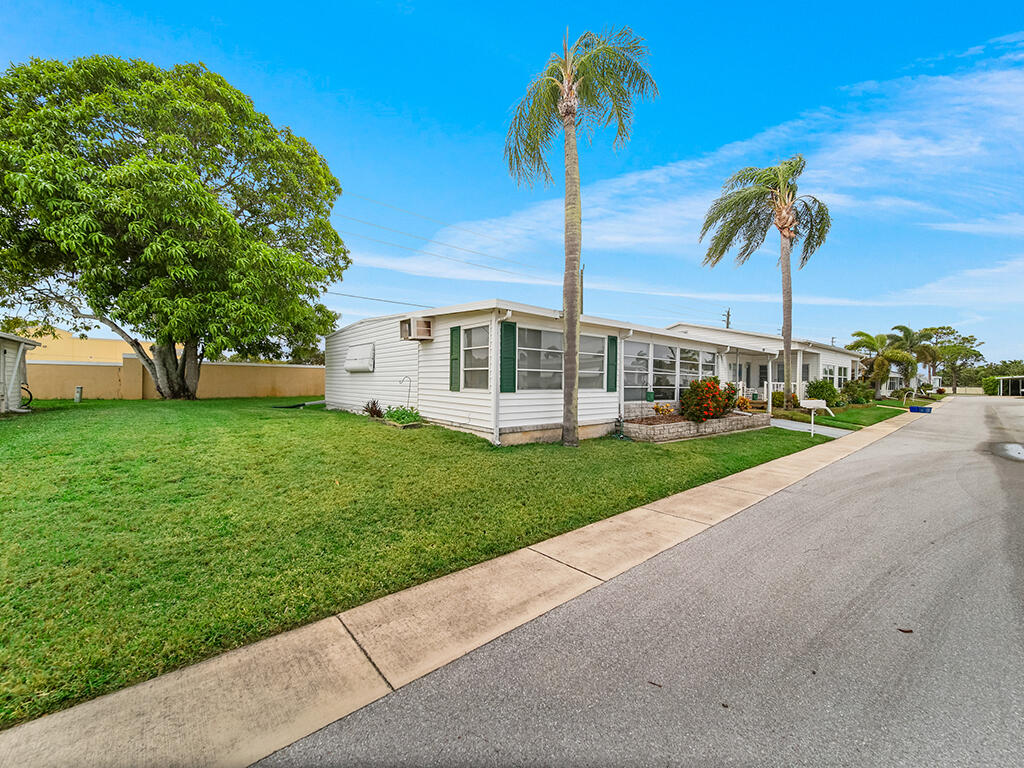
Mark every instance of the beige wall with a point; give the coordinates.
(130, 381)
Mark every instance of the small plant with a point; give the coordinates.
(777, 399)
(823, 389)
(664, 409)
(374, 410)
(401, 414)
(858, 392)
(743, 404)
(940, 391)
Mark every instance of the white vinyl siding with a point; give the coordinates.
(393, 359)
(469, 409)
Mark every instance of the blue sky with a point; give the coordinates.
(911, 119)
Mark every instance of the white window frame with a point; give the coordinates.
(626, 371)
(561, 368)
(842, 376)
(463, 349)
(828, 371)
(604, 361)
(674, 373)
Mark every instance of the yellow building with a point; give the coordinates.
(69, 348)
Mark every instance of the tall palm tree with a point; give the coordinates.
(881, 354)
(591, 83)
(753, 200)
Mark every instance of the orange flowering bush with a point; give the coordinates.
(706, 399)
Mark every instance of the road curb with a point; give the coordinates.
(241, 706)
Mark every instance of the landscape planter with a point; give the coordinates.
(681, 430)
(396, 425)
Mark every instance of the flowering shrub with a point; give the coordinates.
(743, 404)
(705, 399)
(664, 409)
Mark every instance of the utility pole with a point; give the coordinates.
(728, 317)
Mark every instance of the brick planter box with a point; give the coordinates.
(681, 430)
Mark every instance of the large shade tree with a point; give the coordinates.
(753, 201)
(591, 83)
(958, 352)
(161, 204)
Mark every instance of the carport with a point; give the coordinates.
(1012, 386)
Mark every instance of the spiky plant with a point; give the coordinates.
(752, 201)
(591, 83)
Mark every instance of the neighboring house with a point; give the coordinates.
(13, 371)
(69, 348)
(494, 368)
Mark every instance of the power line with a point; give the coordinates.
(371, 298)
(428, 240)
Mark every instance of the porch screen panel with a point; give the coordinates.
(689, 367)
(636, 358)
(666, 372)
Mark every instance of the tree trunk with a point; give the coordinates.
(571, 286)
(787, 318)
(176, 377)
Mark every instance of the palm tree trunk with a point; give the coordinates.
(571, 286)
(787, 318)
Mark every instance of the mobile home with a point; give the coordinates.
(494, 368)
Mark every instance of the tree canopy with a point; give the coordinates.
(160, 203)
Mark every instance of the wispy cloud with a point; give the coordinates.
(1004, 224)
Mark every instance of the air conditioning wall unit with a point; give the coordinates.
(417, 328)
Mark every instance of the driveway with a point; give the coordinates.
(871, 614)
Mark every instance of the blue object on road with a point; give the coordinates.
(920, 409)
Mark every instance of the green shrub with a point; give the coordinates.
(858, 392)
(705, 399)
(990, 385)
(777, 400)
(823, 389)
(402, 415)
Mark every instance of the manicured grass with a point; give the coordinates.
(848, 417)
(141, 536)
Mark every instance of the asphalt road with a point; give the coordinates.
(872, 614)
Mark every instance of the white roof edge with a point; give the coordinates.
(21, 339)
(772, 336)
(529, 309)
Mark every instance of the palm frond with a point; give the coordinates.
(534, 126)
(741, 218)
(813, 224)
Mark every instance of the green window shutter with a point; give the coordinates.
(454, 367)
(508, 357)
(613, 364)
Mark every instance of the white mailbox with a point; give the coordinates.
(813, 406)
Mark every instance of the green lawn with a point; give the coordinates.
(141, 536)
(848, 417)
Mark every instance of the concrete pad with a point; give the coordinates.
(229, 711)
(706, 504)
(413, 632)
(609, 547)
(761, 481)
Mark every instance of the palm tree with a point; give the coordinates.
(914, 342)
(591, 83)
(881, 355)
(752, 201)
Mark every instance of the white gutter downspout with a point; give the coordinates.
(495, 355)
(620, 385)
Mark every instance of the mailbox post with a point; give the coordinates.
(814, 406)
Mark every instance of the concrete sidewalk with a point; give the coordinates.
(236, 708)
(868, 615)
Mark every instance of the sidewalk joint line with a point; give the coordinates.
(549, 557)
(692, 520)
(367, 655)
